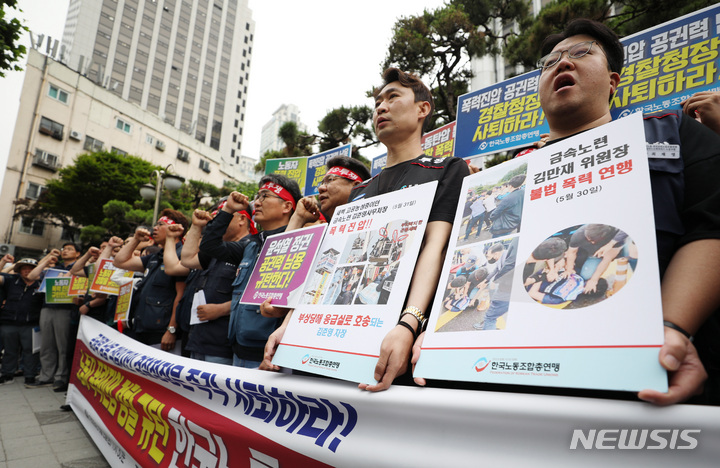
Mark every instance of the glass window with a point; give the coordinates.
(57, 93)
(32, 226)
(33, 191)
(120, 124)
(93, 145)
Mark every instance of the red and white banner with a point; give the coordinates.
(145, 407)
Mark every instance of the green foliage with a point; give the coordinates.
(121, 218)
(10, 31)
(438, 45)
(79, 194)
(625, 17)
(194, 194)
(344, 125)
(496, 159)
(246, 188)
(92, 235)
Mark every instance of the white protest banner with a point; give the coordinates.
(357, 285)
(145, 407)
(568, 298)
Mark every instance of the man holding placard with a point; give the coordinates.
(274, 204)
(55, 322)
(580, 72)
(403, 104)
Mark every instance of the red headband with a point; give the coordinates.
(345, 173)
(166, 220)
(251, 223)
(280, 191)
(220, 207)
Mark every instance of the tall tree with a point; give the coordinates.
(10, 31)
(625, 17)
(438, 45)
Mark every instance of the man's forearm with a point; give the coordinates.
(691, 285)
(428, 266)
(191, 247)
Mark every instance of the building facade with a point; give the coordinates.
(63, 114)
(187, 61)
(269, 139)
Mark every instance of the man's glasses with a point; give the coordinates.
(261, 196)
(577, 51)
(327, 180)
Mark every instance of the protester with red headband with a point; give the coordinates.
(157, 295)
(342, 174)
(274, 205)
(211, 278)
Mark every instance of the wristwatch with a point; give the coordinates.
(172, 329)
(419, 316)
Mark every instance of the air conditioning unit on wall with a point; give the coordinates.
(77, 136)
(7, 249)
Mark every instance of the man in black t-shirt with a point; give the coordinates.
(403, 104)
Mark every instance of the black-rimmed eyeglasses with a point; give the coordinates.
(579, 50)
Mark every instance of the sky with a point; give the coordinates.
(316, 54)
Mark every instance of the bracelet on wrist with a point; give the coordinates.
(678, 328)
(409, 327)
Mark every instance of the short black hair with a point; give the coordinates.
(517, 181)
(605, 36)
(495, 248)
(286, 183)
(596, 232)
(552, 248)
(176, 216)
(408, 80)
(349, 163)
(75, 246)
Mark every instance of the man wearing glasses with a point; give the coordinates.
(343, 173)
(55, 324)
(580, 71)
(274, 204)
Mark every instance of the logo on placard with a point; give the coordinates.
(319, 362)
(481, 364)
(483, 145)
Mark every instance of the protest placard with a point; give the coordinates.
(560, 287)
(52, 273)
(664, 65)
(122, 306)
(78, 286)
(56, 291)
(283, 266)
(101, 282)
(316, 168)
(357, 285)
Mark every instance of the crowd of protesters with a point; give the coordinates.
(212, 254)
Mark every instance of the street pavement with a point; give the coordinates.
(36, 433)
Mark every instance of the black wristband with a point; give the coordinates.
(409, 327)
(678, 328)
